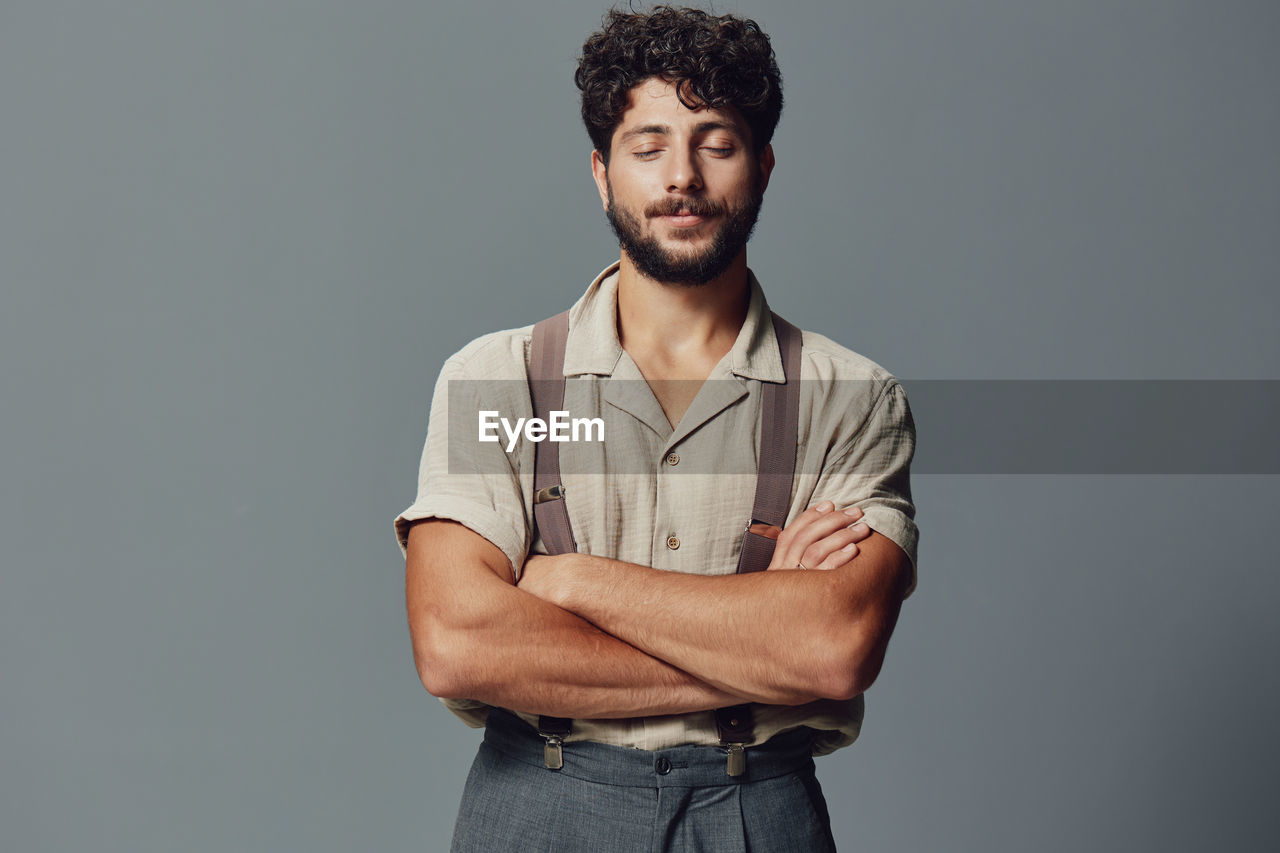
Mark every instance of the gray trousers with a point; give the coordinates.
(610, 799)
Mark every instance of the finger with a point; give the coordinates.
(819, 551)
(809, 516)
(792, 540)
(808, 530)
(812, 526)
(859, 530)
(839, 557)
(816, 522)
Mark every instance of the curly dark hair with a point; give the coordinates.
(714, 61)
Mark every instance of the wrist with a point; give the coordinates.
(571, 573)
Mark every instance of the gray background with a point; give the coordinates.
(238, 239)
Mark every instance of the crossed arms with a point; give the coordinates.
(589, 637)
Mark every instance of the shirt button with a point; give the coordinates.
(673, 458)
(673, 543)
(662, 765)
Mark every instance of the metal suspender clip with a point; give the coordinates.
(554, 730)
(553, 753)
(736, 760)
(763, 528)
(550, 493)
(734, 725)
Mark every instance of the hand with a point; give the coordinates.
(544, 576)
(821, 537)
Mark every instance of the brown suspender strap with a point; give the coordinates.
(779, 434)
(550, 517)
(779, 431)
(546, 387)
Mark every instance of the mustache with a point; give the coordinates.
(684, 207)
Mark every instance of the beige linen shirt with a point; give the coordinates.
(674, 499)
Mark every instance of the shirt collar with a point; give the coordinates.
(593, 347)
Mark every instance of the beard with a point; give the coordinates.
(694, 268)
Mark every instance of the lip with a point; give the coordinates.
(686, 221)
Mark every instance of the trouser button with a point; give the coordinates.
(662, 765)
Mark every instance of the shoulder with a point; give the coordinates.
(845, 395)
(823, 358)
(497, 355)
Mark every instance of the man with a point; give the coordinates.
(642, 631)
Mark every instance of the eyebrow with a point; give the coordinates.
(665, 130)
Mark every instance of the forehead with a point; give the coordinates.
(657, 102)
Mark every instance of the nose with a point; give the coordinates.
(683, 174)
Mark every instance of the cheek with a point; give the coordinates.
(625, 185)
(628, 196)
(739, 180)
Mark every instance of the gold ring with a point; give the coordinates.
(800, 565)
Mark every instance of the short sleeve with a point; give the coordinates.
(479, 487)
(872, 469)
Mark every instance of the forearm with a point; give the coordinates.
(536, 657)
(779, 637)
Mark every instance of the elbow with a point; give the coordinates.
(435, 657)
(435, 677)
(859, 638)
(851, 664)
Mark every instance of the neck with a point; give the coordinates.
(678, 324)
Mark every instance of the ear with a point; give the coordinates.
(601, 174)
(766, 166)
